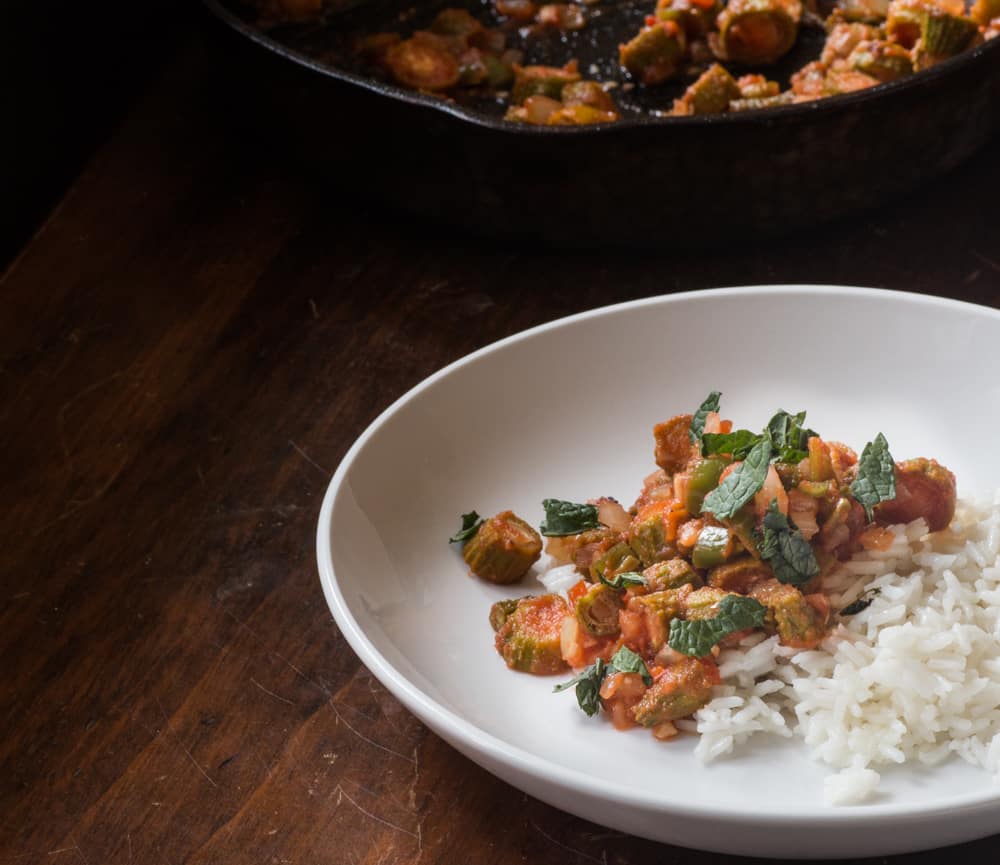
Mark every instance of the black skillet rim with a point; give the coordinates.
(780, 112)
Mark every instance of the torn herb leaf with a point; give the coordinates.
(695, 637)
(742, 483)
(588, 687)
(784, 548)
(567, 518)
(627, 661)
(788, 437)
(738, 443)
(711, 403)
(623, 580)
(876, 480)
(470, 525)
(588, 682)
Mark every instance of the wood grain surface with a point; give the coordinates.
(187, 349)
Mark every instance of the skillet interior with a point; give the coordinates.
(646, 181)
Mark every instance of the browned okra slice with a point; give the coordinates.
(529, 637)
(655, 53)
(885, 61)
(542, 81)
(503, 549)
(682, 689)
(710, 94)
(756, 32)
(597, 610)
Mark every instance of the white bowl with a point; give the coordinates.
(565, 411)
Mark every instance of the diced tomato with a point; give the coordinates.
(711, 670)
(633, 629)
(687, 535)
(580, 649)
(728, 470)
(876, 538)
(713, 422)
(619, 693)
(673, 522)
(733, 639)
(578, 591)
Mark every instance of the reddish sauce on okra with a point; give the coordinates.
(733, 532)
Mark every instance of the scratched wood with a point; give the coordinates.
(187, 350)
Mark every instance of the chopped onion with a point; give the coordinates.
(571, 642)
(612, 514)
(666, 657)
(561, 550)
(802, 510)
(666, 730)
(538, 108)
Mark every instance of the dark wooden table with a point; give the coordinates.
(187, 349)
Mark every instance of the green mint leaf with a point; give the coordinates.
(696, 637)
(788, 436)
(876, 480)
(738, 443)
(567, 518)
(470, 525)
(711, 403)
(785, 549)
(624, 580)
(627, 661)
(742, 483)
(588, 682)
(792, 455)
(859, 604)
(588, 687)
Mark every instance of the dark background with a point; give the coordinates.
(68, 73)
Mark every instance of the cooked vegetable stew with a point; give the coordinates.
(732, 533)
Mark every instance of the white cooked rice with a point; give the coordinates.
(560, 580)
(915, 676)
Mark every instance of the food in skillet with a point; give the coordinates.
(456, 51)
(722, 50)
(749, 563)
(500, 549)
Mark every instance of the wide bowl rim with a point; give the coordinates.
(454, 728)
(742, 118)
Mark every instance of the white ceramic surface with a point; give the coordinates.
(565, 411)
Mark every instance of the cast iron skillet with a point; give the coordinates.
(652, 181)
